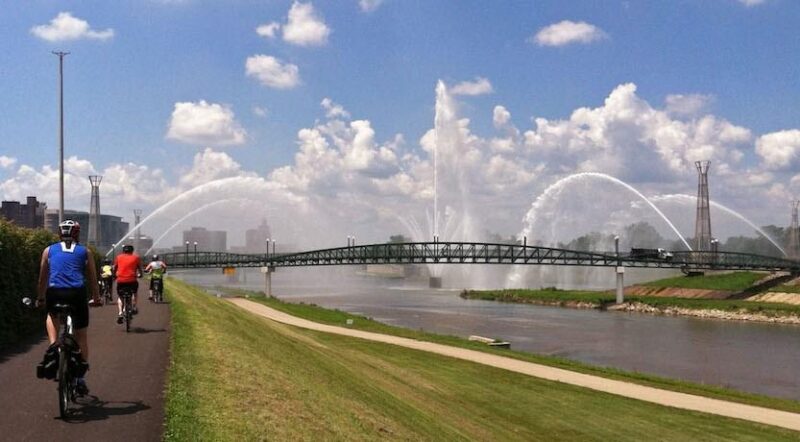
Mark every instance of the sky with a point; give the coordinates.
(323, 116)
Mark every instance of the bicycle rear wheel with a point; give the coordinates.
(128, 313)
(63, 384)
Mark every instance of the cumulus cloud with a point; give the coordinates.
(333, 110)
(272, 72)
(687, 105)
(480, 86)
(66, 27)
(369, 5)
(203, 123)
(269, 30)
(6, 162)
(210, 165)
(779, 150)
(304, 27)
(568, 32)
(260, 111)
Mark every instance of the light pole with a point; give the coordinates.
(195, 248)
(620, 273)
(714, 249)
(61, 55)
(267, 247)
(273, 247)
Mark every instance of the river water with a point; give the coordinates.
(758, 358)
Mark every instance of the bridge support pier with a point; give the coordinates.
(620, 285)
(268, 271)
(435, 282)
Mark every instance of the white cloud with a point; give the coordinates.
(6, 162)
(369, 5)
(750, 3)
(480, 86)
(779, 150)
(272, 72)
(208, 166)
(260, 111)
(568, 32)
(203, 123)
(688, 105)
(269, 30)
(305, 27)
(333, 110)
(66, 27)
(500, 116)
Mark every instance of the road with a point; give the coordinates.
(668, 398)
(126, 377)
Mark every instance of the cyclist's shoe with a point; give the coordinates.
(81, 389)
(135, 311)
(119, 318)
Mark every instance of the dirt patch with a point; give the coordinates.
(783, 298)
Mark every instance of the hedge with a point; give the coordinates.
(20, 252)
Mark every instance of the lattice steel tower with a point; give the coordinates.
(94, 211)
(702, 226)
(794, 234)
(137, 215)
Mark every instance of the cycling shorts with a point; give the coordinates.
(75, 298)
(153, 283)
(122, 286)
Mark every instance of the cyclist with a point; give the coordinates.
(106, 274)
(127, 267)
(156, 268)
(65, 271)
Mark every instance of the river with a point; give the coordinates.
(753, 357)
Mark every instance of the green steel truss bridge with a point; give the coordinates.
(476, 253)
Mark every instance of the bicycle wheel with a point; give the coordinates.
(63, 384)
(128, 314)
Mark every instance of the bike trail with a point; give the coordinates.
(126, 377)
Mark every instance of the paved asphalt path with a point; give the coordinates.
(664, 397)
(126, 379)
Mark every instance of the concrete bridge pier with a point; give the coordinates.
(435, 282)
(268, 271)
(620, 285)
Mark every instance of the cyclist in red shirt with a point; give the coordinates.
(127, 268)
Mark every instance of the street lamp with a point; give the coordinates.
(620, 273)
(195, 247)
(267, 247)
(273, 246)
(186, 259)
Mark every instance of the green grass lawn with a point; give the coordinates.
(340, 318)
(236, 376)
(786, 288)
(734, 282)
(605, 299)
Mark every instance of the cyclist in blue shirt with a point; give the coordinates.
(66, 271)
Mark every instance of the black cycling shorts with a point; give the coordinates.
(122, 286)
(74, 297)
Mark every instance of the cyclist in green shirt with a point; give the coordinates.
(156, 269)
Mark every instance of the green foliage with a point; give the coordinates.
(736, 281)
(20, 254)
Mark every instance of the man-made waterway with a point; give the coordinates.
(759, 358)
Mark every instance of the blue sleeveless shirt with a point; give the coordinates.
(67, 265)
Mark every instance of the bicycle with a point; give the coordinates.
(105, 290)
(126, 293)
(158, 290)
(70, 366)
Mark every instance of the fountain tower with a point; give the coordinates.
(702, 227)
(137, 215)
(94, 211)
(794, 234)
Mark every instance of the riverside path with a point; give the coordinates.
(668, 398)
(126, 378)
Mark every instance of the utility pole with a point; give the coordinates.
(61, 55)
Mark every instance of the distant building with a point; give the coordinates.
(30, 214)
(112, 228)
(207, 240)
(255, 240)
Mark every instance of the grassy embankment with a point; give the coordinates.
(736, 281)
(235, 376)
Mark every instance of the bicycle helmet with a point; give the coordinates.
(69, 229)
(155, 257)
(127, 248)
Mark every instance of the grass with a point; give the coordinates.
(235, 376)
(340, 318)
(732, 282)
(784, 288)
(605, 299)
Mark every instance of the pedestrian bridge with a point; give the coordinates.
(477, 253)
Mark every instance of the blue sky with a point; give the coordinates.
(737, 58)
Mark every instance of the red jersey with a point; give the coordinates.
(126, 267)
